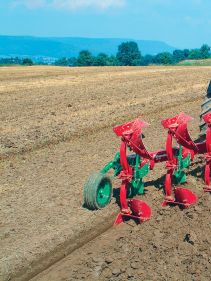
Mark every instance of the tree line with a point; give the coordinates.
(128, 54)
(16, 61)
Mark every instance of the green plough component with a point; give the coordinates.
(137, 184)
(113, 164)
(179, 175)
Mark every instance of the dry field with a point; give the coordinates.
(56, 128)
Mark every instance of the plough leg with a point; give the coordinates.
(134, 208)
(182, 196)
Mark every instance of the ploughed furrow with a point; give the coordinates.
(140, 252)
(126, 115)
(86, 101)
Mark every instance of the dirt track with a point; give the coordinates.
(55, 130)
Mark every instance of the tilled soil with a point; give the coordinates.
(173, 245)
(47, 105)
(56, 128)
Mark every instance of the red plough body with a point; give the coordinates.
(131, 137)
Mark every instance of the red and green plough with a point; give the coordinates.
(133, 162)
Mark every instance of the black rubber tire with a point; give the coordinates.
(91, 188)
(205, 108)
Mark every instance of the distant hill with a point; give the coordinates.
(57, 47)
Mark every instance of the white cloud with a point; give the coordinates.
(70, 4)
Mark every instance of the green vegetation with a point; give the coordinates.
(27, 61)
(10, 61)
(85, 58)
(66, 62)
(128, 54)
(203, 62)
(15, 61)
(104, 60)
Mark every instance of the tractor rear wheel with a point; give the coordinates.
(97, 191)
(205, 108)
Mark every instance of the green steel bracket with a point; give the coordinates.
(137, 184)
(179, 174)
(113, 164)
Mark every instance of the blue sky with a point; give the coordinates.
(181, 23)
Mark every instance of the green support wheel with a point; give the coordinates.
(97, 191)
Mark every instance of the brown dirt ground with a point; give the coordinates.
(55, 130)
